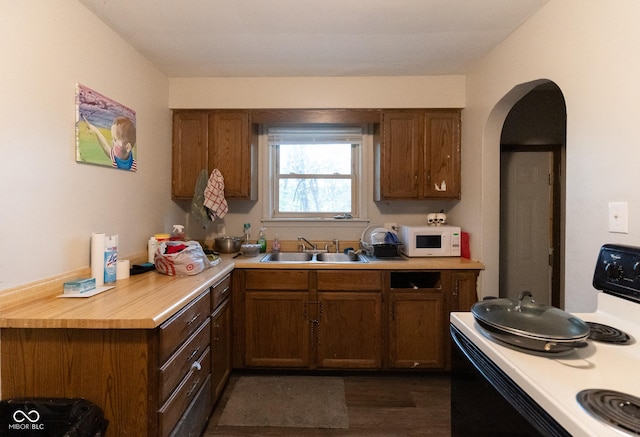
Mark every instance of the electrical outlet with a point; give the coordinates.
(619, 217)
(391, 226)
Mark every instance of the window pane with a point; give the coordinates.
(314, 195)
(315, 159)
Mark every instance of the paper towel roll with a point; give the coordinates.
(97, 257)
(122, 269)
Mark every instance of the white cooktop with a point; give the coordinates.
(554, 380)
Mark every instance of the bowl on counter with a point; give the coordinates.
(250, 249)
(228, 244)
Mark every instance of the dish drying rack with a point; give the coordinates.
(380, 249)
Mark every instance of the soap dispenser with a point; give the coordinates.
(262, 241)
(276, 244)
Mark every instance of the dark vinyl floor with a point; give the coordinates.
(377, 404)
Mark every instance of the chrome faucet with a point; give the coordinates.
(336, 244)
(304, 240)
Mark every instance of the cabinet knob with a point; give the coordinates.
(196, 366)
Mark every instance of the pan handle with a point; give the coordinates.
(579, 344)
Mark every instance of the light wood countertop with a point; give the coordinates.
(142, 301)
(147, 300)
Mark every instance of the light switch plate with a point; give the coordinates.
(619, 217)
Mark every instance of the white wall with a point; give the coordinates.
(318, 92)
(50, 203)
(589, 49)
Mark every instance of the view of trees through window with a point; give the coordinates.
(315, 178)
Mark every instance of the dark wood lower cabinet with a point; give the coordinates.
(416, 334)
(349, 330)
(220, 347)
(347, 319)
(148, 382)
(277, 329)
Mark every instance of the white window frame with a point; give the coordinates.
(361, 154)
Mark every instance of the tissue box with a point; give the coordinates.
(80, 285)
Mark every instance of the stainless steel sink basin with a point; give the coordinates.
(339, 257)
(288, 257)
(304, 257)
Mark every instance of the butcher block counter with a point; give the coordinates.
(153, 353)
(142, 301)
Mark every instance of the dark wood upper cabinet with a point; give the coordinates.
(207, 140)
(442, 158)
(417, 151)
(189, 153)
(418, 155)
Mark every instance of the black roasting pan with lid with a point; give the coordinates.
(528, 325)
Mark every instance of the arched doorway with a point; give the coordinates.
(532, 145)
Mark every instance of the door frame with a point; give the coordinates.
(557, 178)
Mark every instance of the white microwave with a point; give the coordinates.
(420, 241)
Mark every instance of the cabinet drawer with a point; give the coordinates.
(175, 407)
(172, 372)
(195, 418)
(220, 291)
(349, 280)
(276, 280)
(177, 329)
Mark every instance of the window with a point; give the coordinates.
(315, 170)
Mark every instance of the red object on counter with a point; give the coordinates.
(465, 252)
(175, 248)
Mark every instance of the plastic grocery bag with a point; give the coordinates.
(180, 258)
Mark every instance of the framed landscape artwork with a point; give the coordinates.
(105, 131)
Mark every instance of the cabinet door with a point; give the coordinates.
(442, 157)
(230, 151)
(464, 290)
(399, 168)
(277, 329)
(349, 332)
(220, 348)
(189, 153)
(417, 329)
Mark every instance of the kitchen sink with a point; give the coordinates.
(304, 257)
(338, 257)
(288, 257)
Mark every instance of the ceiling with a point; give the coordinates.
(244, 38)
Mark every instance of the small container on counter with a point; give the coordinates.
(250, 249)
(152, 247)
(275, 246)
(162, 237)
(262, 240)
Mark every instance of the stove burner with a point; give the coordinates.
(618, 409)
(607, 334)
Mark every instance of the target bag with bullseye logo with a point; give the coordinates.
(180, 258)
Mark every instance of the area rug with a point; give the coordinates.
(287, 401)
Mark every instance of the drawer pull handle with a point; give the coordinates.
(196, 366)
(225, 291)
(193, 354)
(193, 387)
(190, 322)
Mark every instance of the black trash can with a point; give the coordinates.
(51, 417)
